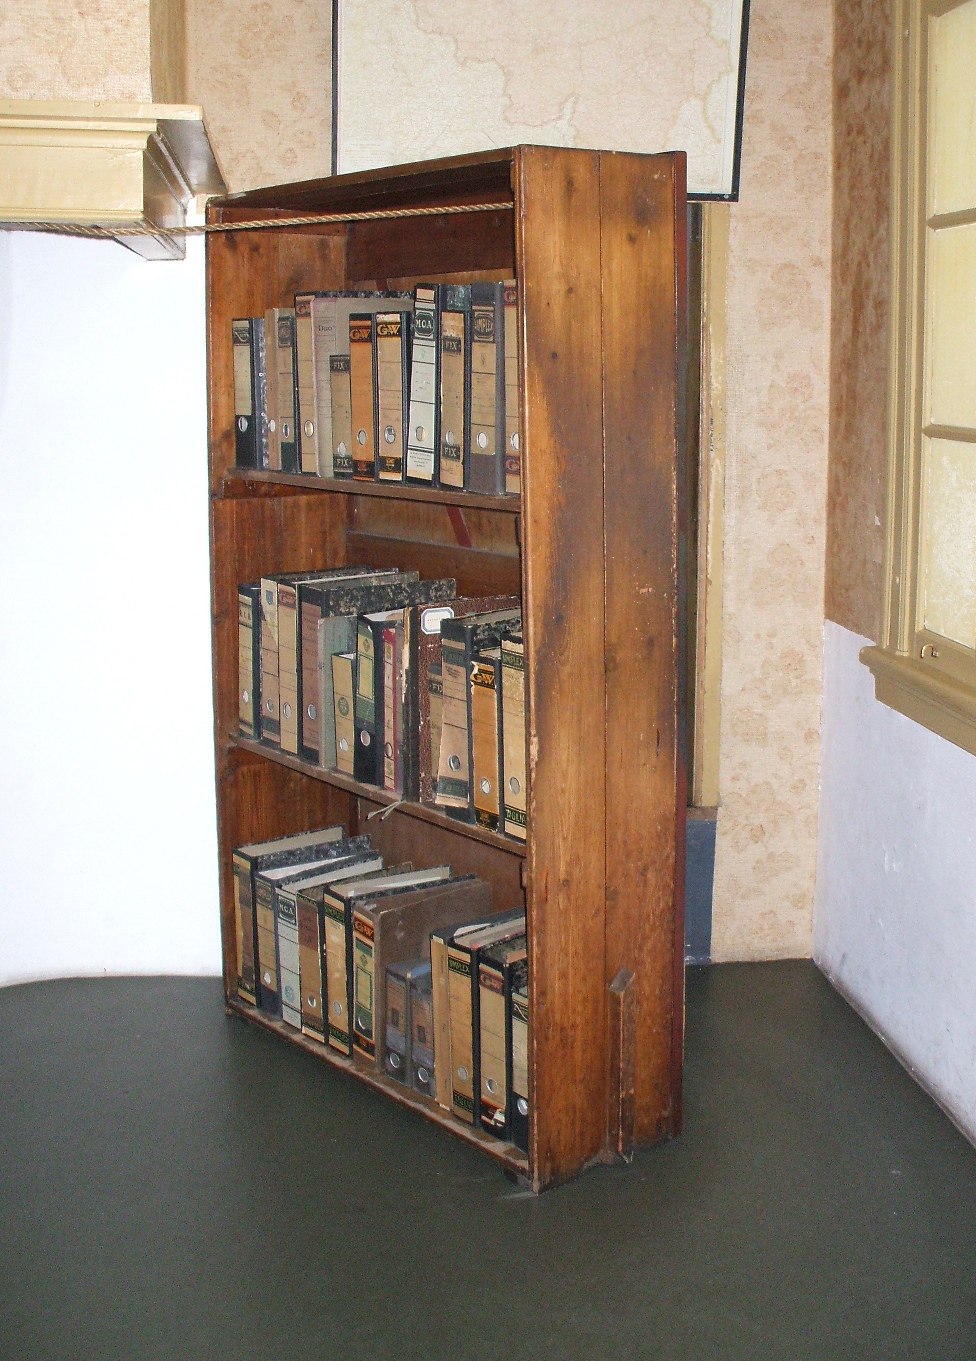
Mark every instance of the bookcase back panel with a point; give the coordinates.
(563, 604)
(401, 837)
(456, 526)
(253, 537)
(247, 273)
(259, 801)
(643, 225)
(432, 245)
(476, 573)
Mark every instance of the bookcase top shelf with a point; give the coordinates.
(483, 177)
(420, 811)
(392, 491)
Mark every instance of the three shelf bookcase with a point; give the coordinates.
(593, 545)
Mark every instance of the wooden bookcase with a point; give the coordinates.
(594, 545)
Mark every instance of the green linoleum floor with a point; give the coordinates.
(177, 1184)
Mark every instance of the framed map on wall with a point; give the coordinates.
(417, 79)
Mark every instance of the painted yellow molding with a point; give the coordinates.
(89, 164)
(939, 702)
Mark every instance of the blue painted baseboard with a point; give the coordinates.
(699, 873)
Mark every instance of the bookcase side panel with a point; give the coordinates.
(251, 537)
(256, 801)
(563, 603)
(643, 250)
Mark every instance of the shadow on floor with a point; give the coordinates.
(177, 1184)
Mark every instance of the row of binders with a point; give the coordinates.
(419, 387)
(409, 972)
(395, 681)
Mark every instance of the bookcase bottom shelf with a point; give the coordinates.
(510, 1157)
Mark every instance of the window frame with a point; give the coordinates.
(927, 677)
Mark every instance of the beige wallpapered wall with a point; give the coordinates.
(75, 49)
(262, 70)
(859, 319)
(776, 471)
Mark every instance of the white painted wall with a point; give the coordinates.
(895, 906)
(108, 859)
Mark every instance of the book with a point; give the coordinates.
(341, 415)
(344, 690)
(408, 1055)
(454, 327)
(380, 598)
(249, 660)
(279, 643)
(441, 1004)
(486, 713)
(464, 1003)
(424, 405)
(518, 1027)
(271, 388)
(266, 881)
(396, 1059)
(356, 853)
(513, 452)
(391, 359)
(362, 391)
(393, 734)
(318, 601)
(420, 1035)
(495, 972)
(338, 901)
(284, 337)
(422, 686)
(369, 712)
(330, 340)
(398, 926)
(247, 860)
(308, 902)
(461, 639)
(245, 416)
(306, 419)
(513, 733)
(259, 362)
(486, 428)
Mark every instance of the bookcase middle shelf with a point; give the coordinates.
(256, 479)
(422, 812)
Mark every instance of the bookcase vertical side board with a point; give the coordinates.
(558, 244)
(644, 252)
(255, 531)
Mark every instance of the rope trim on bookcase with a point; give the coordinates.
(264, 224)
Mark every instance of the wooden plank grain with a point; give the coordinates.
(558, 242)
(643, 249)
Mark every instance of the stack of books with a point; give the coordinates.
(406, 971)
(394, 681)
(420, 387)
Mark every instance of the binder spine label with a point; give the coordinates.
(422, 422)
(306, 420)
(493, 1050)
(341, 415)
(452, 400)
(390, 366)
(453, 786)
(513, 737)
(361, 387)
(244, 921)
(286, 925)
(513, 453)
(247, 672)
(363, 986)
(484, 723)
(334, 930)
(462, 1052)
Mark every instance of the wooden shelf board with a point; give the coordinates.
(506, 1154)
(392, 491)
(372, 793)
